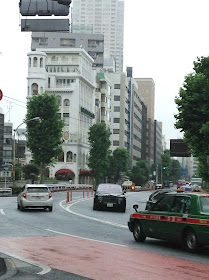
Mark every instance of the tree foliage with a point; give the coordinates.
(118, 163)
(44, 137)
(29, 169)
(193, 107)
(99, 139)
(140, 173)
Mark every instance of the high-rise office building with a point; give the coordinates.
(102, 17)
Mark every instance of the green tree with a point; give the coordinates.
(29, 169)
(140, 173)
(99, 139)
(118, 163)
(44, 137)
(193, 107)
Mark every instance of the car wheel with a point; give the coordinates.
(190, 241)
(50, 209)
(94, 206)
(138, 232)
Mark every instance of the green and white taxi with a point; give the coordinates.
(179, 217)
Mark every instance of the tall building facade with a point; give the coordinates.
(68, 74)
(102, 17)
(146, 90)
(119, 110)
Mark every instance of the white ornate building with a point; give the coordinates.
(68, 74)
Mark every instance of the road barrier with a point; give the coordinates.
(5, 191)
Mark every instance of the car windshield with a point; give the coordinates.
(204, 202)
(110, 189)
(37, 190)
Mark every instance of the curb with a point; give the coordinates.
(7, 268)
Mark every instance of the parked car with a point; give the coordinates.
(35, 196)
(155, 196)
(109, 196)
(179, 217)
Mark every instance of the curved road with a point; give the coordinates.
(93, 244)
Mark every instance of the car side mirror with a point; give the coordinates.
(135, 206)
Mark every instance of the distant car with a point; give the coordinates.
(155, 196)
(158, 186)
(35, 196)
(179, 217)
(109, 196)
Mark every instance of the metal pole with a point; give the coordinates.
(14, 158)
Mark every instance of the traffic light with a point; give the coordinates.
(30, 8)
(44, 7)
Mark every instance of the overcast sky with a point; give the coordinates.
(162, 39)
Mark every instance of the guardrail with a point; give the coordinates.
(5, 191)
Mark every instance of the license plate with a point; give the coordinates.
(109, 204)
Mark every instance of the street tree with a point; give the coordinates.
(99, 139)
(140, 173)
(44, 138)
(193, 107)
(118, 164)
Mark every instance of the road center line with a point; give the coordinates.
(88, 217)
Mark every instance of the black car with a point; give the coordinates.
(155, 196)
(109, 196)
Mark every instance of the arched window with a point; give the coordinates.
(41, 62)
(74, 158)
(29, 62)
(69, 157)
(35, 61)
(34, 88)
(61, 157)
(66, 102)
(59, 100)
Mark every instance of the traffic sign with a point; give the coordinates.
(1, 94)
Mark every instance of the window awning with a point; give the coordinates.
(85, 172)
(64, 171)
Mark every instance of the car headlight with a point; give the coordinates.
(100, 198)
(120, 199)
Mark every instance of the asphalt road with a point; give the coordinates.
(75, 241)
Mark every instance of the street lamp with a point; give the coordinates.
(15, 130)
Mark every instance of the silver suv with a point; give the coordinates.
(35, 196)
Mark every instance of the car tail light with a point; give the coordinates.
(50, 195)
(24, 195)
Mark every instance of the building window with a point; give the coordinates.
(66, 118)
(116, 97)
(115, 143)
(29, 63)
(41, 62)
(35, 60)
(69, 156)
(116, 86)
(66, 102)
(116, 109)
(116, 131)
(34, 89)
(116, 120)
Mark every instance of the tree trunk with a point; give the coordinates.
(42, 173)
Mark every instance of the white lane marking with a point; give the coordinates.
(2, 211)
(88, 217)
(89, 239)
(45, 269)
